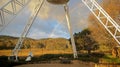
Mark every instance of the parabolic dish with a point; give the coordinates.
(58, 2)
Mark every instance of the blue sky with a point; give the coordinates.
(51, 22)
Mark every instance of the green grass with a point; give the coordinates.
(108, 58)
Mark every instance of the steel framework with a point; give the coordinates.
(11, 8)
(110, 25)
(26, 29)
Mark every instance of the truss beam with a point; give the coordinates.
(110, 25)
(11, 8)
(26, 29)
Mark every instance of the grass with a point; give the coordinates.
(44, 54)
(109, 59)
(39, 55)
(93, 57)
(51, 55)
(36, 52)
(47, 58)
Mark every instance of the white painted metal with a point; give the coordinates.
(110, 25)
(26, 29)
(66, 8)
(11, 8)
(29, 56)
(70, 30)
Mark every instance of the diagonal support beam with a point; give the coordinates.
(26, 29)
(109, 24)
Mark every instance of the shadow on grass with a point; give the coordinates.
(94, 57)
(5, 63)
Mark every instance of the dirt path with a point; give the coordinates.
(55, 65)
(75, 64)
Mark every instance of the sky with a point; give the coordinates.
(50, 22)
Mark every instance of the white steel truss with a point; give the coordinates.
(110, 25)
(26, 29)
(10, 9)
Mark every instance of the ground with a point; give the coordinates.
(74, 64)
(54, 65)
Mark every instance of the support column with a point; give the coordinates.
(66, 8)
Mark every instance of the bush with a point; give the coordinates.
(94, 57)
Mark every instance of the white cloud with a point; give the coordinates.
(60, 34)
(36, 34)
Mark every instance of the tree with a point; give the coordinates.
(84, 41)
(85, 32)
(90, 44)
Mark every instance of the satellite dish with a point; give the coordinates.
(58, 2)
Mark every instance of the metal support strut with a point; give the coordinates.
(11, 8)
(110, 25)
(26, 31)
(66, 8)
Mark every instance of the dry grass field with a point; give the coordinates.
(36, 52)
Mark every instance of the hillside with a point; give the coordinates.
(9, 42)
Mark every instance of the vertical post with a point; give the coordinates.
(66, 8)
